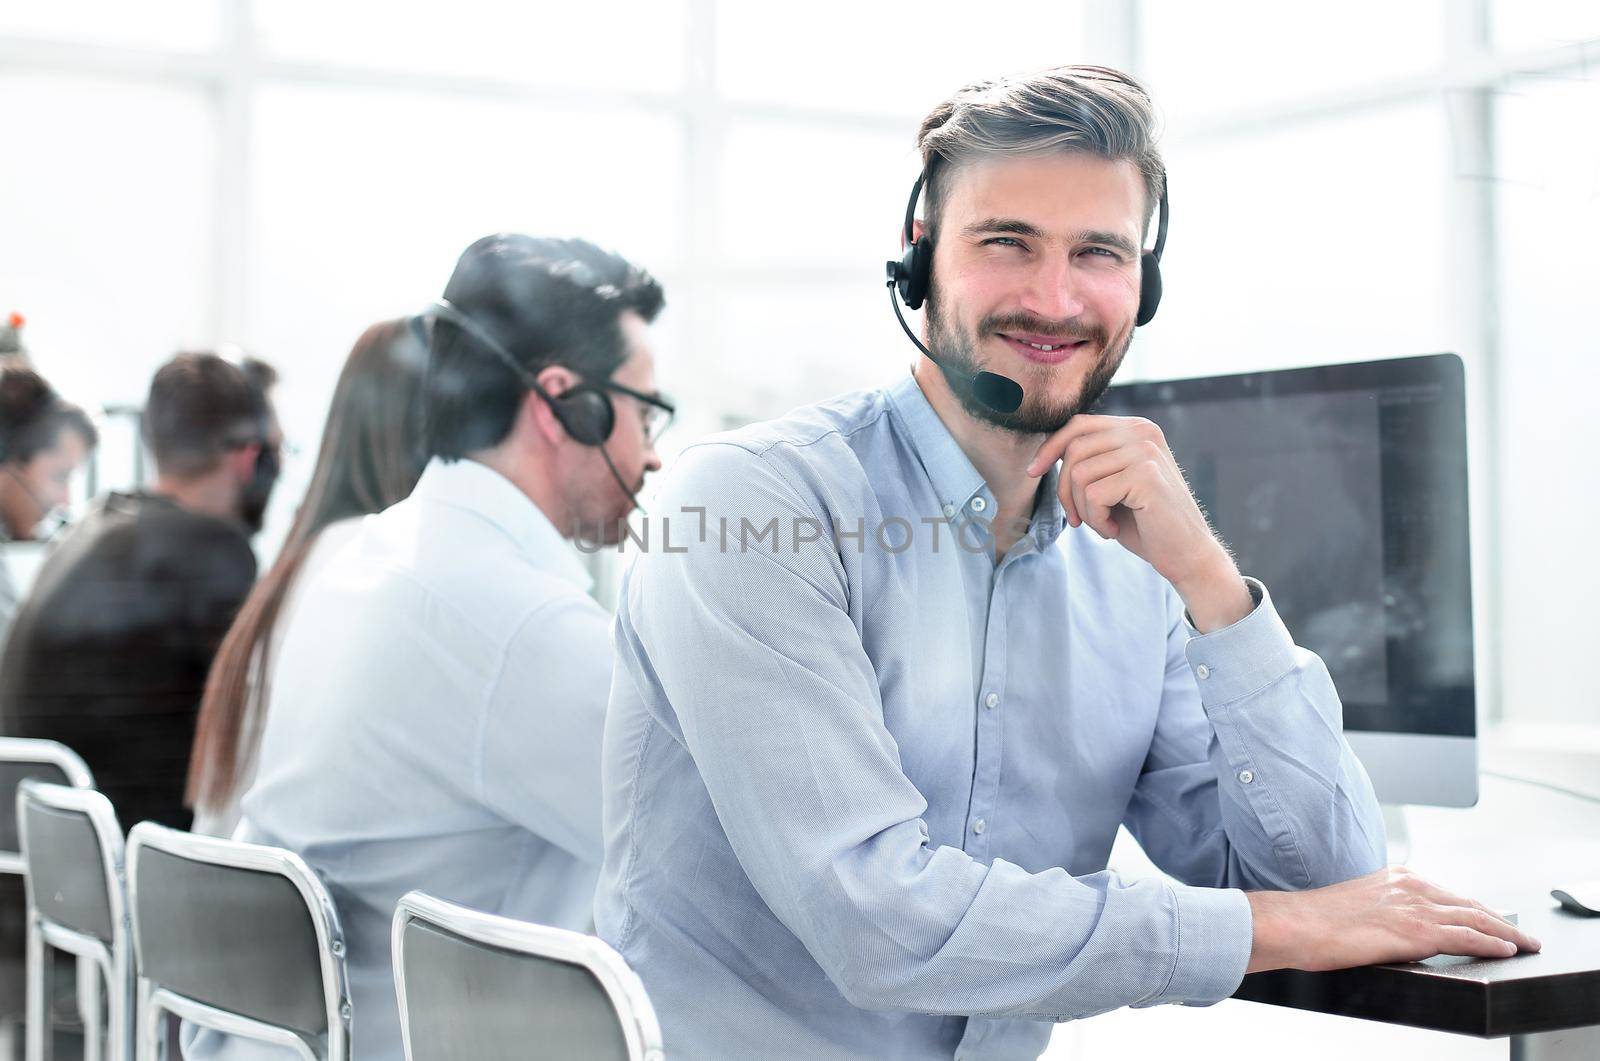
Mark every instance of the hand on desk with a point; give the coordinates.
(1391, 915)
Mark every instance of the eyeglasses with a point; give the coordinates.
(655, 412)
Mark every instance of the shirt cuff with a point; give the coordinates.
(1215, 934)
(1240, 659)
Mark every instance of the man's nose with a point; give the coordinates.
(1052, 292)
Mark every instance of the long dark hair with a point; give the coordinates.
(371, 456)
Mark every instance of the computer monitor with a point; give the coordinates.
(1343, 488)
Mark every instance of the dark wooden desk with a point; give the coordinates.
(1528, 997)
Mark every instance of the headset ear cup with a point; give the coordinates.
(914, 270)
(901, 271)
(1149, 289)
(586, 413)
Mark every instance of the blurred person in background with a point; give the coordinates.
(109, 651)
(43, 441)
(371, 456)
(439, 698)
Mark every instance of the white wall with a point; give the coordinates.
(280, 174)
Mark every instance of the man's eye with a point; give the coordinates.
(1107, 252)
(1003, 241)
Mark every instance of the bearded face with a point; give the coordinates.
(1035, 277)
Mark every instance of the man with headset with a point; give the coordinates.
(109, 651)
(874, 729)
(436, 713)
(43, 441)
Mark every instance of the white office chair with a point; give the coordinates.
(22, 758)
(237, 937)
(73, 847)
(476, 987)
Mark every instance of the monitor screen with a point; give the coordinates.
(1343, 488)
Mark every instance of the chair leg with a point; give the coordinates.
(94, 1037)
(119, 1025)
(39, 1032)
(149, 1019)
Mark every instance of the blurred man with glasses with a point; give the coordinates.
(439, 699)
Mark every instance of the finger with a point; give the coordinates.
(1101, 496)
(1083, 448)
(1080, 474)
(1054, 447)
(1487, 922)
(1458, 939)
(1445, 898)
(1051, 449)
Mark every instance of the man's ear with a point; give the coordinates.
(917, 229)
(534, 415)
(555, 380)
(242, 461)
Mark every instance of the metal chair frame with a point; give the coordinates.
(113, 962)
(51, 753)
(76, 772)
(622, 985)
(154, 999)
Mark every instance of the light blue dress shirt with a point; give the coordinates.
(435, 722)
(860, 792)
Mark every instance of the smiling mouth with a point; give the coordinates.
(1047, 349)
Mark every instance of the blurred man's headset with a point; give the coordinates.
(585, 411)
(52, 518)
(909, 276)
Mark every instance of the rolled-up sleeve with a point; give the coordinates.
(753, 645)
(1250, 782)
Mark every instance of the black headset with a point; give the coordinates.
(909, 275)
(584, 411)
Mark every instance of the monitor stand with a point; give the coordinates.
(1394, 825)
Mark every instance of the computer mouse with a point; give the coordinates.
(1580, 898)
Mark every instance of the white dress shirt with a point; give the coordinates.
(221, 821)
(435, 723)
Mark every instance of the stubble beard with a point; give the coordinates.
(1038, 414)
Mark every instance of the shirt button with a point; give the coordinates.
(992, 700)
(1203, 671)
(979, 826)
(949, 510)
(1245, 777)
(979, 504)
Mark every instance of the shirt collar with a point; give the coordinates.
(479, 489)
(1049, 518)
(954, 478)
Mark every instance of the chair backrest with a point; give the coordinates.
(476, 985)
(237, 936)
(21, 759)
(73, 848)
